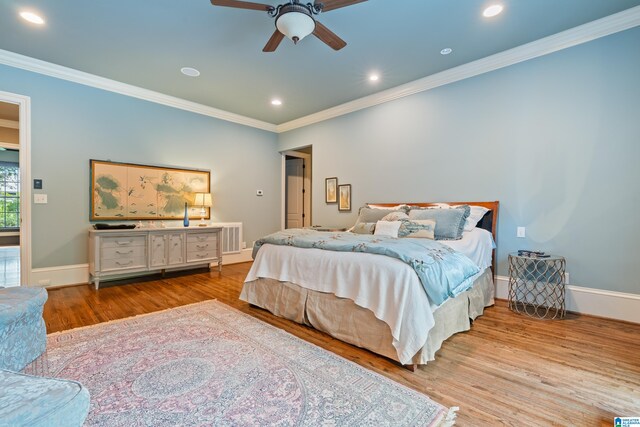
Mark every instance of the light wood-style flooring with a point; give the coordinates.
(507, 370)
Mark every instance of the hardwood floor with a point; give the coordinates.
(509, 369)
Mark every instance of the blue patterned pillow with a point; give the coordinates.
(449, 222)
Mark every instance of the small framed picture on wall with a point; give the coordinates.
(344, 195)
(331, 190)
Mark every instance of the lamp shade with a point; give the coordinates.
(203, 199)
(296, 25)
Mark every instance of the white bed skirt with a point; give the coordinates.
(343, 319)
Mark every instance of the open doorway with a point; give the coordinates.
(297, 188)
(9, 194)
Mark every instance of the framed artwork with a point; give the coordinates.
(344, 195)
(331, 190)
(126, 191)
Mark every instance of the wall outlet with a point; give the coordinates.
(259, 193)
(521, 232)
(244, 245)
(44, 282)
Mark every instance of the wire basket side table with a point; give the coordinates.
(536, 286)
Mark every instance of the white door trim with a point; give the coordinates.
(283, 184)
(24, 105)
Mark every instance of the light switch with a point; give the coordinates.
(521, 232)
(40, 199)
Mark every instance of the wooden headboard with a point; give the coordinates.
(489, 221)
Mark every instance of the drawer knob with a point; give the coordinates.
(124, 263)
(128, 242)
(125, 253)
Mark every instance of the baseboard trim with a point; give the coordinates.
(65, 275)
(242, 256)
(594, 302)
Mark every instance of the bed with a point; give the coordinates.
(370, 300)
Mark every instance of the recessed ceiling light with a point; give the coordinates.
(492, 10)
(32, 17)
(374, 77)
(276, 102)
(191, 72)
(446, 51)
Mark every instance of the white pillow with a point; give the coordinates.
(477, 212)
(387, 228)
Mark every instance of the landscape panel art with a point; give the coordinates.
(122, 191)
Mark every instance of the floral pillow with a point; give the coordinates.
(418, 228)
(395, 216)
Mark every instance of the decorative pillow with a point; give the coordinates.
(419, 228)
(364, 228)
(368, 214)
(387, 228)
(395, 216)
(477, 212)
(404, 208)
(449, 222)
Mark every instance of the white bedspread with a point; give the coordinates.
(386, 286)
(476, 244)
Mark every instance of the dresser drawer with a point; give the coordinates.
(210, 255)
(122, 241)
(202, 246)
(123, 253)
(202, 237)
(123, 264)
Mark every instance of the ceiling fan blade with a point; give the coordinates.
(273, 42)
(328, 37)
(242, 4)
(337, 4)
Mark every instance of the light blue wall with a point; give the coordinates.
(556, 140)
(72, 123)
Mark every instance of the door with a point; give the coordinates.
(295, 192)
(10, 197)
(176, 248)
(158, 250)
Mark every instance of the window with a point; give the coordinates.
(9, 196)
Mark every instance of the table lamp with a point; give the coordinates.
(204, 201)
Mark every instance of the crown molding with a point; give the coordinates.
(16, 60)
(582, 34)
(11, 124)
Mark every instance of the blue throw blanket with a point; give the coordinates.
(443, 272)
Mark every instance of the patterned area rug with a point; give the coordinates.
(209, 364)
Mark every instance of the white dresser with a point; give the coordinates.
(117, 253)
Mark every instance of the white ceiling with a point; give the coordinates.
(146, 42)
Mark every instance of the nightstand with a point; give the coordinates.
(536, 286)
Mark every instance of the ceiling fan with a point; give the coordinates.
(295, 20)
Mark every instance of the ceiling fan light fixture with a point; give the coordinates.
(295, 22)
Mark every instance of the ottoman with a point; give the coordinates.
(41, 402)
(23, 335)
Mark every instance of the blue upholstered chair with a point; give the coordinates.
(31, 401)
(26, 400)
(23, 335)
